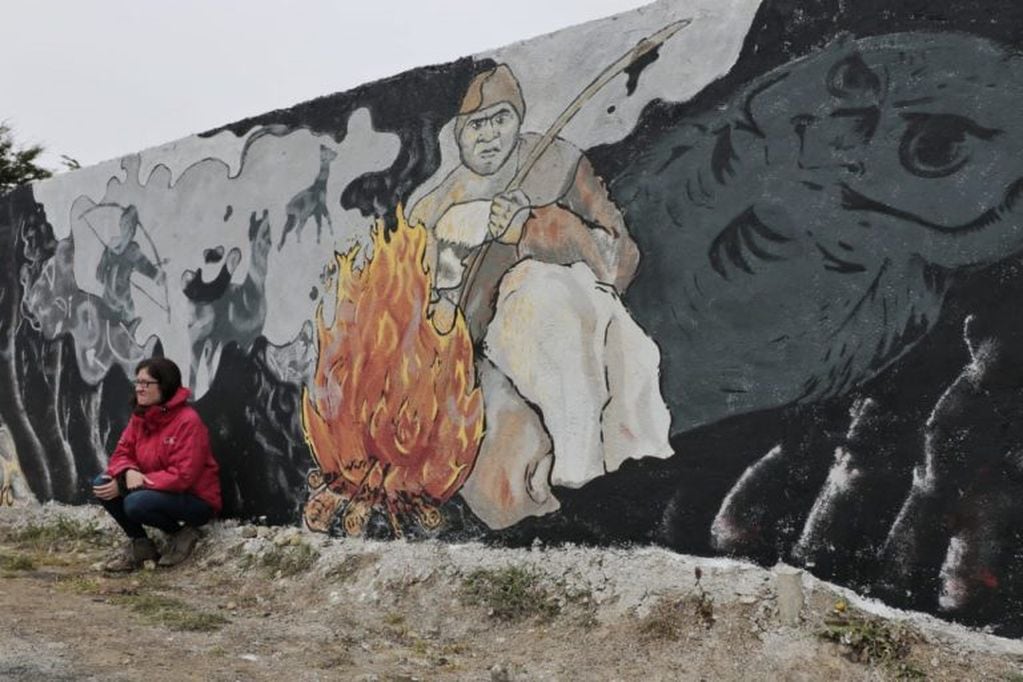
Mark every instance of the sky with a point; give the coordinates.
(98, 79)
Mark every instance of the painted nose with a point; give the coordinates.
(488, 132)
(819, 149)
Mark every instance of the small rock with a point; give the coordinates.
(295, 540)
(149, 565)
(249, 657)
(230, 606)
(499, 673)
(249, 532)
(747, 599)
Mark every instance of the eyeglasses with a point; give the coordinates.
(144, 383)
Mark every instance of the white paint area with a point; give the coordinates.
(555, 68)
(725, 533)
(954, 592)
(181, 154)
(569, 346)
(208, 204)
(59, 194)
(841, 478)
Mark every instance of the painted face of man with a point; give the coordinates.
(489, 137)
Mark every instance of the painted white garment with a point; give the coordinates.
(570, 348)
(510, 479)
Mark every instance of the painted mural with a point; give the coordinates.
(731, 278)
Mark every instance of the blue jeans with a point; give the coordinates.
(156, 508)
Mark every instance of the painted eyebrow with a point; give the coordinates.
(901, 104)
(505, 109)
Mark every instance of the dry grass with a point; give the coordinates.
(281, 562)
(873, 641)
(171, 613)
(512, 593)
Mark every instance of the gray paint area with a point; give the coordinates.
(798, 241)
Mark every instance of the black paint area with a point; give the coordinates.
(256, 434)
(635, 69)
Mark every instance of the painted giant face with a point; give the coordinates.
(915, 135)
(489, 137)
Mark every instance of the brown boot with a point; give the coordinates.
(135, 553)
(180, 546)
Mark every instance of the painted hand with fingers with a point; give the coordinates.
(508, 213)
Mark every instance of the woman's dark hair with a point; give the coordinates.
(165, 372)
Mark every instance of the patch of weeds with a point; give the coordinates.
(511, 593)
(350, 567)
(80, 584)
(283, 561)
(172, 613)
(669, 617)
(17, 562)
(869, 640)
(703, 602)
(62, 532)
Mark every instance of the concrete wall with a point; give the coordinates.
(755, 297)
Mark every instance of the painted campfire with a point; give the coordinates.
(394, 416)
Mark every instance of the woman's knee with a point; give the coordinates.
(139, 504)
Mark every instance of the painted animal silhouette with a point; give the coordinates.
(310, 202)
(235, 316)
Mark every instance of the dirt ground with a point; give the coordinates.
(259, 603)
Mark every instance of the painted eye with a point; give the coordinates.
(851, 77)
(937, 145)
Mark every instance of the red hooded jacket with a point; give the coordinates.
(169, 444)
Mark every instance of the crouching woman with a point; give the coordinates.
(162, 473)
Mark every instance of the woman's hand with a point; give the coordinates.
(107, 491)
(133, 480)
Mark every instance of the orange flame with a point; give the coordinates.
(394, 411)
